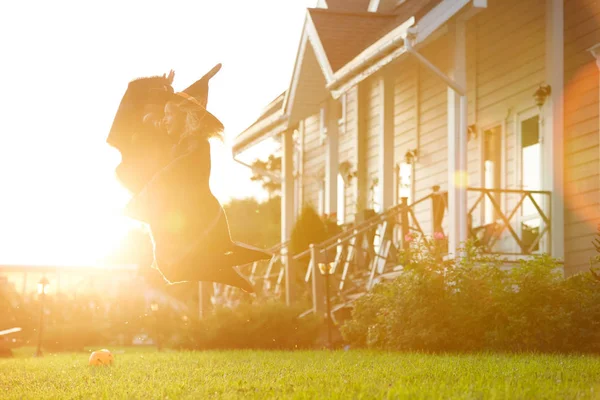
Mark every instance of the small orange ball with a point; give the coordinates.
(101, 357)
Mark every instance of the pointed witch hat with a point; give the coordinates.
(195, 97)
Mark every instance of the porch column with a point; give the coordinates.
(554, 123)
(360, 187)
(457, 141)
(287, 210)
(386, 140)
(332, 157)
(287, 185)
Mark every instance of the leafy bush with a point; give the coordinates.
(475, 304)
(270, 325)
(308, 229)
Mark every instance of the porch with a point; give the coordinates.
(508, 224)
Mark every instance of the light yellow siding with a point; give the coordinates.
(314, 161)
(582, 188)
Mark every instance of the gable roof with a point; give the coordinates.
(348, 5)
(386, 5)
(344, 35)
(388, 46)
(407, 7)
(269, 123)
(340, 48)
(413, 8)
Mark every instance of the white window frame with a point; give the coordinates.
(521, 116)
(321, 199)
(503, 169)
(297, 172)
(323, 125)
(375, 202)
(399, 180)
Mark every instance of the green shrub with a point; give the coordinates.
(473, 304)
(270, 325)
(308, 229)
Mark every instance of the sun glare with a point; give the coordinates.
(60, 202)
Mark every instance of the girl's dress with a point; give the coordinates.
(189, 228)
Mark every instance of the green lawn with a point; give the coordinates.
(143, 374)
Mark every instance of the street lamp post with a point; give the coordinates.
(326, 269)
(42, 290)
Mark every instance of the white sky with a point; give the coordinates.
(65, 66)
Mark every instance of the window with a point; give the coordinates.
(405, 185)
(341, 200)
(531, 177)
(341, 104)
(297, 172)
(375, 202)
(323, 125)
(321, 206)
(491, 171)
(297, 194)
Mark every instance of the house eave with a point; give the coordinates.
(310, 37)
(265, 129)
(391, 46)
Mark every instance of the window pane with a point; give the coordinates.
(531, 161)
(531, 175)
(321, 198)
(489, 173)
(530, 132)
(341, 200)
(405, 182)
(376, 198)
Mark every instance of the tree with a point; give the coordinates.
(310, 228)
(268, 172)
(254, 223)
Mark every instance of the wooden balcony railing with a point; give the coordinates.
(509, 224)
(364, 253)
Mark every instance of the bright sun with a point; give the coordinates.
(69, 220)
(59, 200)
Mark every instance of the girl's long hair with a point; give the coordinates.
(200, 122)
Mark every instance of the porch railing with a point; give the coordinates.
(522, 227)
(359, 258)
(365, 253)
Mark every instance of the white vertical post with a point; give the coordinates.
(287, 210)
(554, 122)
(300, 168)
(287, 185)
(332, 157)
(318, 282)
(386, 140)
(361, 189)
(457, 142)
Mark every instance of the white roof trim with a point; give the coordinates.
(346, 77)
(291, 92)
(373, 6)
(315, 40)
(309, 35)
(270, 126)
(390, 39)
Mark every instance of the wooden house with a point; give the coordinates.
(490, 106)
